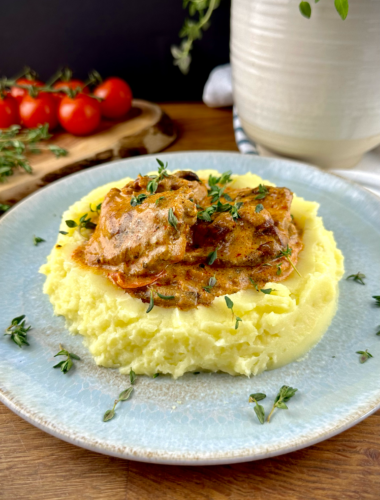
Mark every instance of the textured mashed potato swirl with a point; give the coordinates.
(275, 329)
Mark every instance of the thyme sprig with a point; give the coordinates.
(259, 410)
(97, 208)
(123, 396)
(263, 191)
(364, 355)
(267, 291)
(286, 392)
(220, 207)
(286, 253)
(155, 179)
(211, 284)
(137, 200)
(37, 240)
(67, 363)
(18, 331)
(230, 305)
(359, 277)
(15, 142)
(83, 224)
(192, 30)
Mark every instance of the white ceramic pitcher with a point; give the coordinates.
(308, 88)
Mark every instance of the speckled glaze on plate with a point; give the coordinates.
(198, 419)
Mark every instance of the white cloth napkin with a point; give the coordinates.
(218, 93)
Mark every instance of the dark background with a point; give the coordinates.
(127, 38)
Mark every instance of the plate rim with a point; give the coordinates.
(177, 457)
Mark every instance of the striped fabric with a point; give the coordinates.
(245, 145)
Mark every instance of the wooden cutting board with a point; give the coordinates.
(145, 129)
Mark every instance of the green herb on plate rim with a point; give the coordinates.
(359, 277)
(132, 376)
(377, 298)
(18, 331)
(259, 410)
(123, 396)
(364, 355)
(37, 239)
(282, 397)
(66, 364)
(151, 302)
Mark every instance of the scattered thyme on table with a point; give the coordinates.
(18, 331)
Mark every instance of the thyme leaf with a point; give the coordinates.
(173, 221)
(137, 200)
(377, 298)
(230, 305)
(258, 208)
(155, 179)
(212, 256)
(359, 277)
(37, 239)
(132, 377)
(268, 291)
(17, 331)
(254, 284)
(151, 303)
(259, 410)
(159, 199)
(165, 297)
(211, 284)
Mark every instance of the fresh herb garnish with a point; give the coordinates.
(66, 364)
(159, 199)
(357, 277)
(151, 302)
(254, 284)
(156, 375)
(4, 207)
(155, 179)
(259, 410)
(378, 331)
(15, 142)
(165, 297)
(123, 396)
(83, 223)
(225, 178)
(211, 284)
(17, 331)
(279, 270)
(173, 221)
(132, 376)
(268, 291)
(37, 239)
(234, 209)
(263, 191)
(230, 305)
(211, 257)
(258, 208)
(216, 192)
(377, 298)
(97, 208)
(364, 356)
(282, 397)
(137, 200)
(63, 232)
(286, 253)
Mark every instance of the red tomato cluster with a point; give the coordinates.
(72, 106)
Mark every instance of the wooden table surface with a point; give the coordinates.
(37, 466)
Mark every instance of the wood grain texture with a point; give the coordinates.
(37, 466)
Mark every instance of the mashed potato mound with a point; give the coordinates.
(275, 329)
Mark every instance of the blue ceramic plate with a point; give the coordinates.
(203, 419)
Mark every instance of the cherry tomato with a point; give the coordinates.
(117, 97)
(79, 115)
(19, 93)
(39, 110)
(8, 111)
(69, 84)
